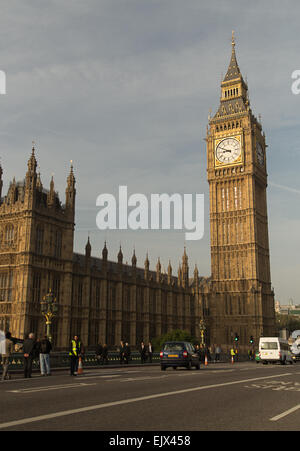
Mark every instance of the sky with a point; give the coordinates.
(124, 88)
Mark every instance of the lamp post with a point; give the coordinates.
(202, 328)
(49, 309)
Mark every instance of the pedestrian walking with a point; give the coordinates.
(105, 354)
(8, 350)
(218, 353)
(232, 354)
(143, 352)
(127, 353)
(75, 353)
(207, 353)
(99, 353)
(44, 348)
(29, 353)
(121, 352)
(201, 352)
(150, 351)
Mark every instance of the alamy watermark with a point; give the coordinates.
(2, 82)
(296, 84)
(160, 212)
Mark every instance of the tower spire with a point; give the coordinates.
(31, 175)
(70, 190)
(233, 70)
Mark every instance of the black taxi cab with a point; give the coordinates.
(179, 354)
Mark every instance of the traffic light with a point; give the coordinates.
(236, 338)
(251, 340)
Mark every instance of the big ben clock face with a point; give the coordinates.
(228, 151)
(260, 154)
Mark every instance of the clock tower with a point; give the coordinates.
(242, 297)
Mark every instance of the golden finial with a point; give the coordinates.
(232, 40)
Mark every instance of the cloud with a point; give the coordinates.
(124, 89)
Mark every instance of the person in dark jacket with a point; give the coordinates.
(76, 350)
(127, 353)
(44, 348)
(105, 354)
(29, 353)
(150, 351)
(121, 352)
(9, 348)
(143, 352)
(99, 353)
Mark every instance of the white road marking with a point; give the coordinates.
(48, 388)
(107, 376)
(145, 378)
(284, 414)
(127, 401)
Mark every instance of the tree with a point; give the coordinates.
(289, 322)
(173, 335)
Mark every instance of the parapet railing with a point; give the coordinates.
(62, 359)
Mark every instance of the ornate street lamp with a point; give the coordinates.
(49, 309)
(202, 327)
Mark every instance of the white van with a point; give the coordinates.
(274, 349)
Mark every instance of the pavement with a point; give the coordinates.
(244, 396)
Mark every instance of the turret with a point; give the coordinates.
(147, 266)
(120, 256)
(133, 260)
(104, 252)
(169, 273)
(51, 194)
(88, 249)
(185, 270)
(158, 270)
(70, 190)
(31, 175)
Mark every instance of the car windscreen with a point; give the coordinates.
(271, 345)
(173, 347)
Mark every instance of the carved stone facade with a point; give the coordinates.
(106, 301)
(243, 300)
(98, 299)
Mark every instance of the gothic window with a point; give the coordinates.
(235, 197)
(97, 303)
(3, 287)
(9, 234)
(57, 244)
(56, 287)
(227, 199)
(10, 287)
(80, 289)
(223, 199)
(39, 240)
(36, 288)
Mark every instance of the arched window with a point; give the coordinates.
(9, 234)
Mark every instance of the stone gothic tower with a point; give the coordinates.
(237, 176)
(36, 253)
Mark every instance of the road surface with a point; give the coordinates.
(243, 396)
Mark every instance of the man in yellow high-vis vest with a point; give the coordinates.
(75, 350)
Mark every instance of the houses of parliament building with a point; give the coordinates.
(106, 301)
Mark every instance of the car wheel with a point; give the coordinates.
(163, 368)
